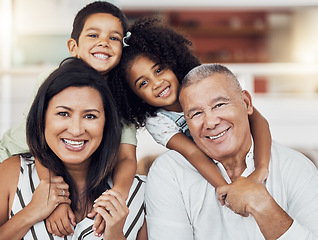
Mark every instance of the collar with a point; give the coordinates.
(249, 160)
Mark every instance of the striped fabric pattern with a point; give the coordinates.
(29, 180)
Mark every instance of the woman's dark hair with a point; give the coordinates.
(74, 72)
(92, 8)
(162, 45)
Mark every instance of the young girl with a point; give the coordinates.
(147, 86)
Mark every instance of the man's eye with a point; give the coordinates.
(63, 114)
(90, 116)
(219, 105)
(196, 114)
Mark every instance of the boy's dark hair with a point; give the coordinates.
(92, 8)
(162, 45)
(74, 72)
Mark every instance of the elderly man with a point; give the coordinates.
(181, 204)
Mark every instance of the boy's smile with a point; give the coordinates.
(100, 42)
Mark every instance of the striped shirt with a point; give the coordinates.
(29, 180)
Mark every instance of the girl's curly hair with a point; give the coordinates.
(162, 45)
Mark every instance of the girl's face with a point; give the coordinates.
(74, 124)
(100, 42)
(156, 86)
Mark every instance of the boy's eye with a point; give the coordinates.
(90, 116)
(114, 38)
(63, 114)
(92, 35)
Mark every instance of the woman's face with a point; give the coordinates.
(74, 124)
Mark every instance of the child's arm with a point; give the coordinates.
(125, 169)
(206, 167)
(123, 176)
(262, 145)
(58, 223)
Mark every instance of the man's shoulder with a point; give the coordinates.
(290, 158)
(173, 163)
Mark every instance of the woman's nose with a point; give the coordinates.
(76, 127)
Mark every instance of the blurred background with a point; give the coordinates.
(271, 46)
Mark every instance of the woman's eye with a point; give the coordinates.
(63, 114)
(90, 116)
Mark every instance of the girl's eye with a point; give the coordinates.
(90, 116)
(158, 70)
(143, 83)
(63, 114)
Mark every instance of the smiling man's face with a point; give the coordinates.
(217, 112)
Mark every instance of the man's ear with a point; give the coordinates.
(247, 98)
(72, 47)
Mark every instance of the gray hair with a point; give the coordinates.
(206, 70)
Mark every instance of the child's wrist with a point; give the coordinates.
(260, 174)
(121, 191)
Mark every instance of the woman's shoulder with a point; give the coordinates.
(9, 176)
(137, 191)
(10, 165)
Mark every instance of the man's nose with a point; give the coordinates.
(211, 120)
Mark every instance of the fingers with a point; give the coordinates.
(111, 200)
(60, 192)
(48, 226)
(111, 206)
(99, 225)
(92, 214)
(107, 203)
(71, 216)
(58, 223)
(59, 229)
(64, 227)
(222, 193)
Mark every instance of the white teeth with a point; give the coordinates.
(219, 135)
(164, 92)
(74, 143)
(100, 55)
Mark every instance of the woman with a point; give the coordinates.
(74, 131)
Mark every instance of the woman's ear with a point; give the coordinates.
(247, 98)
(72, 47)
